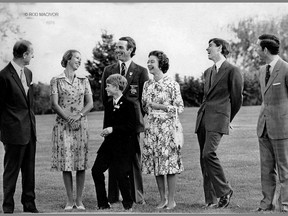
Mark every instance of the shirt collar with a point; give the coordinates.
(117, 99)
(127, 63)
(220, 62)
(62, 75)
(16, 67)
(273, 63)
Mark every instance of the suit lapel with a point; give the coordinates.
(18, 81)
(116, 69)
(219, 75)
(273, 75)
(207, 82)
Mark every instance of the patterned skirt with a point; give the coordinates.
(160, 154)
(69, 146)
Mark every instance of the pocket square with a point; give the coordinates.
(274, 84)
(31, 83)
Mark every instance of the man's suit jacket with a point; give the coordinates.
(17, 119)
(222, 100)
(136, 76)
(274, 109)
(122, 119)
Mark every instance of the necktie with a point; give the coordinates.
(23, 80)
(123, 69)
(267, 74)
(213, 74)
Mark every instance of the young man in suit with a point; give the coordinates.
(136, 76)
(272, 127)
(17, 126)
(116, 151)
(222, 100)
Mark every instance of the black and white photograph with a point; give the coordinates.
(144, 107)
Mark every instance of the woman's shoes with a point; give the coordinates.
(172, 207)
(68, 207)
(80, 207)
(163, 205)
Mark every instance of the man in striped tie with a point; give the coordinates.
(272, 127)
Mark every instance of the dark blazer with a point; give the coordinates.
(136, 76)
(222, 100)
(122, 119)
(17, 119)
(274, 109)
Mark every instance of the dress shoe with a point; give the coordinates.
(163, 205)
(172, 207)
(210, 205)
(141, 202)
(68, 207)
(108, 206)
(31, 210)
(128, 209)
(80, 207)
(262, 210)
(225, 200)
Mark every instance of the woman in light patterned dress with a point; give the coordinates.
(71, 99)
(161, 100)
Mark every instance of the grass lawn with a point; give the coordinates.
(238, 153)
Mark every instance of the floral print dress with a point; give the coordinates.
(161, 155)
(70, 146)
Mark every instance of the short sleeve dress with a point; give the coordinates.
(160, 154)
(70, 146)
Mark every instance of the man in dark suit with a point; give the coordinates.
(18, 130)
(272, 127)
(116, 150)
(136, 76)
(222, 100)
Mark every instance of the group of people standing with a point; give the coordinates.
(128, 95)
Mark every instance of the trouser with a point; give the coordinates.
(122, 169)
(215, 183)
(16, 158)
(273, 156)
(136, 180)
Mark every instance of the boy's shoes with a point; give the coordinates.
(108, 206)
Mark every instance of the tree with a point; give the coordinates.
(103, 55)
(247, 32)
(41, 98)
(192, 91)
(10, 31)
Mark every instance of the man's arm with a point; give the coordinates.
(142, 79)
(236, 88)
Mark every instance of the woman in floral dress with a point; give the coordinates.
(161, 100)
(71, 99)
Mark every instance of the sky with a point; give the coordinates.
(181, 30)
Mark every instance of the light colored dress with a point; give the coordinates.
(160, 154)
(70, 146)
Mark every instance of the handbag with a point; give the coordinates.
(178, 131)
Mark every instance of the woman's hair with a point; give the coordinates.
(20, 48)
(163, 60)
(67, 56)
(117, 80)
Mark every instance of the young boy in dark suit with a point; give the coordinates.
(116, 149)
